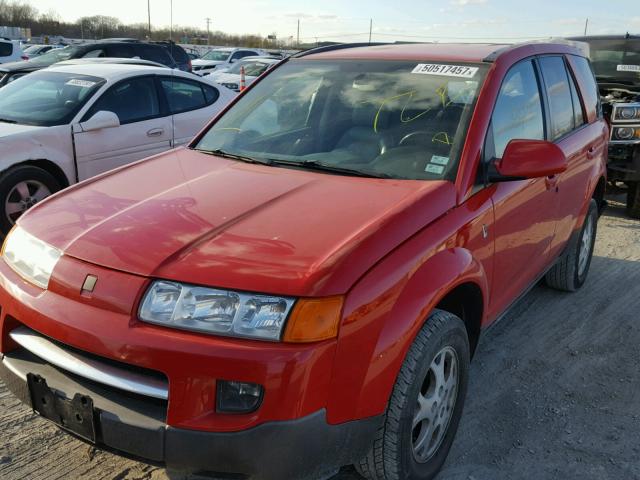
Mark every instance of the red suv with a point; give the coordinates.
(304, 285)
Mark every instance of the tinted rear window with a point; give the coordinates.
(155, 53)
(584, 75)
(178, 53)
(6, 49)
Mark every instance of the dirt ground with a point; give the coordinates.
(554, 390)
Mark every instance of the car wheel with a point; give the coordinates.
(633, 200)
(426, 404)
(570, 272)
(21, 188)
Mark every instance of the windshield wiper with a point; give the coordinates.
(316, 165)
(6, 120)
(234, 156)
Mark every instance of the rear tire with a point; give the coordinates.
(425, 406)
(633, 200)
(21, 187)
(570, 272)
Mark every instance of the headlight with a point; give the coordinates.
(627, 112)
(626, 133)
(32, 259)
(215, 311)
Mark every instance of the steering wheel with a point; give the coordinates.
(417, 133)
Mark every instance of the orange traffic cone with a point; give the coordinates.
(243, 81)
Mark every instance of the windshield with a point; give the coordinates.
(252, 68)
(54, 56)
(32, 49)
(216, 55)
(380, 118)
(616, 60)
(46, 98)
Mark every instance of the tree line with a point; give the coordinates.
(20, 13)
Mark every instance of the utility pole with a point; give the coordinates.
(208, 34)
(149, 15)
(298, 37)
(586, 24)
(370, 28)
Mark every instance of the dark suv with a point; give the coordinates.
(616, 62)
(166, 53)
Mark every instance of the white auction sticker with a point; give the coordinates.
(76, 82)
(438, 160)
(629, 68)
(445, 70)
(431, 168)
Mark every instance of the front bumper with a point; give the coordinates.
(305, 448)
(287, 437)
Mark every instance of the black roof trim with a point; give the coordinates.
(337, 46)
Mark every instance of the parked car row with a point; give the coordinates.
(303, 285)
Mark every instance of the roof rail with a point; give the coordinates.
(337, 46)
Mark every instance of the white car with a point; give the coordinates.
(253, 68)
(33, 51)
(10, 51)
(65, 124)
(219, 58)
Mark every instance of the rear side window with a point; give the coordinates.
(6, 49)
(120, 51)
(184, 95)
(518, 110)
(97, 53)
(578, 117)
(178, 54)
(559, 96)
(131, 100)
(585, 76)
(155, 53)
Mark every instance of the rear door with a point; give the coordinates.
(145, 128)
(193, 104)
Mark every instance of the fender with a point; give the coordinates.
(385, 310)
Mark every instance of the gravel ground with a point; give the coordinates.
(553, 394)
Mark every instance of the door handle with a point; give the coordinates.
(155, 132)
(591, 152)
(551, 182)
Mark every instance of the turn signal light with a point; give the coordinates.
(313, 320)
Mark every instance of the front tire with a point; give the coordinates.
(426, 404)
(21, 187)
(570, 272)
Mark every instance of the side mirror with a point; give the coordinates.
(233, 60)
(100, 120)
(530, 159)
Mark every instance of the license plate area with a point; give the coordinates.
(76, 415)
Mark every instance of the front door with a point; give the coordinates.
(144, 129)
(525, 210)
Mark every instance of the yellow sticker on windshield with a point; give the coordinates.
(445, 70)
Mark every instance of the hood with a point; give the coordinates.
(23, 66)
(9, 129)
(196, 218)
(205, 63)
(228, 78)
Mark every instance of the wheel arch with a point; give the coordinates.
(48, 166)
(375, 349)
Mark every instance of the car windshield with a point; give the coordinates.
(616, 60)
(32, 49)
(216, 55)
(46, 98)
(390, 119)
(54, 56)
(252, 68)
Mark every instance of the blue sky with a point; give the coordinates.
(475, 20)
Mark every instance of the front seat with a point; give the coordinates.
(360, 140)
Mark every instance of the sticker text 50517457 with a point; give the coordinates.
(445, 70)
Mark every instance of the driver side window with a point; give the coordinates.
(518, 111)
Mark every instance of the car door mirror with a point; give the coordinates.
(529, 159)
(100, 120)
